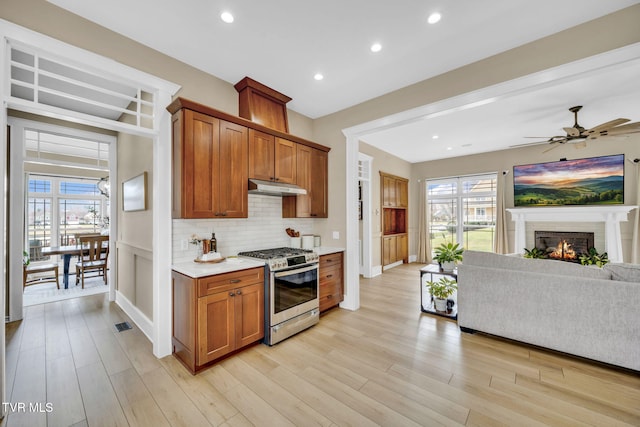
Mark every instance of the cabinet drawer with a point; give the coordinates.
(331, 259)
(330, 287)
(220, 282)
(328, 274)
(329, 301)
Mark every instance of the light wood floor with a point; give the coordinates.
(385, 364)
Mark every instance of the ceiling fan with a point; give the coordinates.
(579, 135)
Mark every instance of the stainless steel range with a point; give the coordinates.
(291, 294)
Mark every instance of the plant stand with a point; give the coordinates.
(426, 301)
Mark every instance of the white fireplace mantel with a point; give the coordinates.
(612, 216)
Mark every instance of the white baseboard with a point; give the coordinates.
(395, 264)
(138, 317)
(376, 271)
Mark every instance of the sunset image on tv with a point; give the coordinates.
(592, 181)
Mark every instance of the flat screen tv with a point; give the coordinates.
(591, 181)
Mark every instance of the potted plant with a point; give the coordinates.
(441, 290)
(592, 257)
(534, 253)
(448, 254)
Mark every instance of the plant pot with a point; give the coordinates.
(440, 304)
(448, 266)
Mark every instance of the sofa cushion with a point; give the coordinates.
(624, 272)
(563, 268)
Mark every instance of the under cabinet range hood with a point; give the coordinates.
(271, 188)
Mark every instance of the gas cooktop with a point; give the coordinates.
(278, 258)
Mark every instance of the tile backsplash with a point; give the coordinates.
(264, 228)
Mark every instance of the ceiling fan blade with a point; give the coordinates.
(572, 131)
(524, 144)
(618, 130)
(606, 126)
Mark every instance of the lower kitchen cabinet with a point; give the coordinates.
(217, 315)
(331, 280)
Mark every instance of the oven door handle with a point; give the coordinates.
(299, 270)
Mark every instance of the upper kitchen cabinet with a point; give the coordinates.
(271, 158)
(215, 154)
(210, 166)
(312, 165)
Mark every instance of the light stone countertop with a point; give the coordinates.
(325, 250)
(195, 270)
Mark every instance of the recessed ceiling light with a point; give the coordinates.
(226, 17)
(434, 17)
(318, 76)
(435, 137)
(449, 148)
(376, 47)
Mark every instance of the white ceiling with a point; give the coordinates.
(283, 43)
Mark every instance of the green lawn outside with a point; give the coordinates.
(479, 239)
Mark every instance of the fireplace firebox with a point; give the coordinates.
(564, 245)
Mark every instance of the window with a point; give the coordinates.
(60, 208)
(463, 210)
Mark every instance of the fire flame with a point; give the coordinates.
(563, 251)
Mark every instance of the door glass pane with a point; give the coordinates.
(479, 223)
(38, 226)
(443, 221)
(78, 217)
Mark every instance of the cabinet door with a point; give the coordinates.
(402, 193)
(402, 249)
(303, 160)
(285, 161)
(261, 155)
(389, 250)
(319, 183)
(388, 191)
(249, 314)
(199, 168)
(232, 171)
(215, 322)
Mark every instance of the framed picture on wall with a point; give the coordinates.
(590, 181)
(134, 193)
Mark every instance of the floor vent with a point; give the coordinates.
(123, 326)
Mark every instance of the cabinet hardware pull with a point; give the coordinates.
(329, 276)
(329, 260)
(314, 214)
(223, 214)
(329, 296)
(238, 292)
(235, 281)
(231, 294)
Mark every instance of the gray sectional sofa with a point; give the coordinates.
(584, 311)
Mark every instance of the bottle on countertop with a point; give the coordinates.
(214, 243)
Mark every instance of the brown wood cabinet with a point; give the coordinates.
(394, 196)
(331, 273)
(217, 315)
(312, 166)
(271, 158)
(210, 167)
(215, 153)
